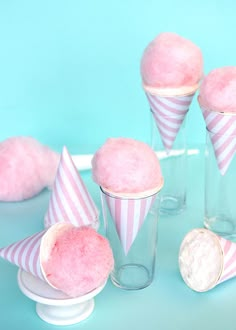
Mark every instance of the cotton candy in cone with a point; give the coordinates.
(222, 131)
(70, 200)
(169, 112)
(26, 253)
(128, 215)
(206, 259)
(29, 253)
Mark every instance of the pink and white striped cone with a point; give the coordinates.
(29, 253)
(206, 259)
(25, 254)
(169, 113)
(222, 131)
(128, 215)
(70, 200)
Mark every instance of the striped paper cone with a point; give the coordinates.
(229, 252)
(222, 131)
(128, 216)
(169, 113)
(25, 254)
(70, 200)
(29, 253)
(206, 259)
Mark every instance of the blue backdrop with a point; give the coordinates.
(69, 70)
(69, 75)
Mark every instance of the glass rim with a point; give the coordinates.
(220, 134)
(128, 197)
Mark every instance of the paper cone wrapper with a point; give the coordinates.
(70, 200)
(169, 113)
(128, 215)
(29, 253)
(25, 254)
(229, 264)
(222, 131)
(206, 259)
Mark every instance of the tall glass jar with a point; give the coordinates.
(174, 167)
(131, 228)
(169, 109)
(220, 201)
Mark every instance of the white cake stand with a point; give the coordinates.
(52, 305)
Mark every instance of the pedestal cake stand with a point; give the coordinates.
(52, 305)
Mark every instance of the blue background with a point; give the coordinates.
(69, 75)
(69, 70)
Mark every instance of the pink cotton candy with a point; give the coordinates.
(124, 165)
(218, 90)
(79, 262)
(26, 168)
(171, 61)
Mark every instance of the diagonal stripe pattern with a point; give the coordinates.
(222, 131)
(169, 114)
(229, 250)
(25, 254)
(70, 200)
(128, 216)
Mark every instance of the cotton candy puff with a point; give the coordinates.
(171, 61)
(79, 261)
(26, 168)
(126, 165)
(218, 90)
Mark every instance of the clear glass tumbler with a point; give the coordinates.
(131, 228)
(173, 163)
(220, 202)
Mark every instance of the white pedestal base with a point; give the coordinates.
(52, 305)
